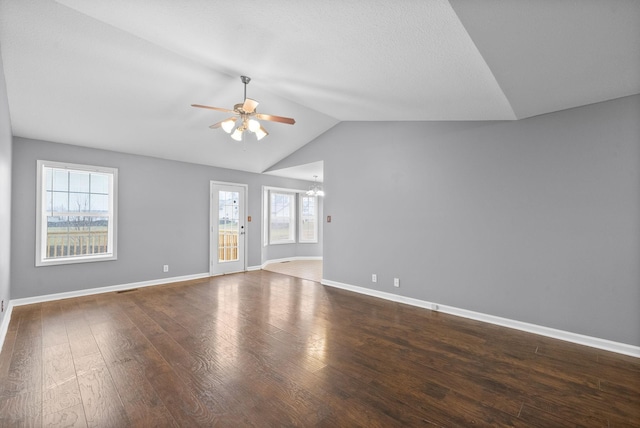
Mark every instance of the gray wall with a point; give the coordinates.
(5, 193)
(284, 251)
(535, 220)
(163, 218)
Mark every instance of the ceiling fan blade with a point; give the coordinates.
(217, 125)
(226, 110)
(273, 118)
(250, 105)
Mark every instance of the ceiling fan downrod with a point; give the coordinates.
(246, 81)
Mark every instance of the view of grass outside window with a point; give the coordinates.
(77, 214)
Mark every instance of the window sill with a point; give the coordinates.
(74, 260)
(282, 243)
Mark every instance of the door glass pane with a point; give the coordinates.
(228, 226)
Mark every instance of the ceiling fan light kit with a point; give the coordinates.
(248, 116)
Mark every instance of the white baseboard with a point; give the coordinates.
(594, 342)
(4, 326)
(287, 259)
(108, 289)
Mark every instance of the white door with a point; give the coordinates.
(227, 241)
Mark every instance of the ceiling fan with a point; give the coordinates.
(245, 117)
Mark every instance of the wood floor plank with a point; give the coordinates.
(21, 409)
(54, 331)
(61, 396)
(141, 402)
(264, 349)
(101, 402)
(122, 350)
(70, 417)
(82, 344)
(21, 396)
(184, 376)
(552, 387)
(60, 386)
(58, 365)
(181, 401)
(552, 415)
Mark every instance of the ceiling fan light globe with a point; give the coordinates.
(254, 125)
(237, 135)
(227, 125)
(260, 133)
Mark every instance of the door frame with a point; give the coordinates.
(214, 226)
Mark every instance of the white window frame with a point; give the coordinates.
(265, 215)
(41, 215)
(293, 216)
(301, 197)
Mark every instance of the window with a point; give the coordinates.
(282, 217)
(76, 209)
(308, 219)
(283, 210)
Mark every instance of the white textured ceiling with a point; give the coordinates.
(121, 74)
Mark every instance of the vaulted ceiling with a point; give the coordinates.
(121, 74)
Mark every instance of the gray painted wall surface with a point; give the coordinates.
(284, 251)
(163, 218)
(5, 193)
(535, 220)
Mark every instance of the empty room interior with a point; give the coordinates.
(360, 213)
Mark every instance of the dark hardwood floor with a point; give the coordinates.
(264, 349)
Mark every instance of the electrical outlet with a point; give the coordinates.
(374, 277)
(396, 282)
(165, 268)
